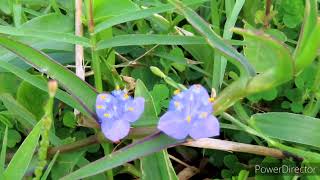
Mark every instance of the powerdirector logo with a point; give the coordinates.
(284, 169)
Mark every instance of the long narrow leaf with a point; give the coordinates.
(157, 166)
(61, 95)
(56, 36)
(130, 16)
(214, 39)
(26, 118)
(281, 125)
(22, 158)
(81, 90)
(142, 39)
(141, 148)
(46, 173)
(3, 152)
(218, 72)
(309, 24)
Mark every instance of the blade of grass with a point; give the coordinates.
(61, 95)
(3, 152)
(46, 173)
(56, 36)
(221, 62)
(309, 23)
(309, 52)
(215, 40)
(22, 158)
(157, 165)
(26, 119)
(146, 146)
(84, 93)
(17, 14)
(142, 39)
(143, 13)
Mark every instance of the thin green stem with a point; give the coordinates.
(94, 54)
(97, 74)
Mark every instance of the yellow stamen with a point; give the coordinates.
(126, 96)
(203, 115)
(100, 106)
(117, 87)
(103, 97)
(211, 99)
(131, 109)
(176, 104)
(188, 119)
(106, 115)
(177, 91)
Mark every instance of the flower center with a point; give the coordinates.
(211, 100)
(126, 96)
(100, 107)
(176, 104)
(177, 91)
(130, 109)
(203, 115)
(107, 115)
(189, 119)
(103, 97)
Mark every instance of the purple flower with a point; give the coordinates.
(116, 111)
(190, 113)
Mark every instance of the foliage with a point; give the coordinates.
(260, 63)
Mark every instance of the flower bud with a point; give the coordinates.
(157, 72)
(52, 87)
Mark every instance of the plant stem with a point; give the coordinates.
(94, 54)
(267, 13)
(223, 145)
(107, 146)
(208, 143)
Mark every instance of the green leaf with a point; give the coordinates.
(81, 90)
(149, 116)
(22, 158)
(105, 8)
(33, 80)
(23, 115)
(289, 127)
(17, 14)
(243, 175)
(9, 83)
(143, 39)
(309, 52)
(51, 23)
(221, 62)
(46, 173)
(49, 35)
(260, 54)
(15, 138)
(178, 55)
(3, 152)
(6, 118)
(5, 7)
(160, 94)
(26, 96)
(276, 73)
(214, 40)
(65, 164)
(157, 167)
(141, 148)
(69, 120)
(140, 14)
(309, 24)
